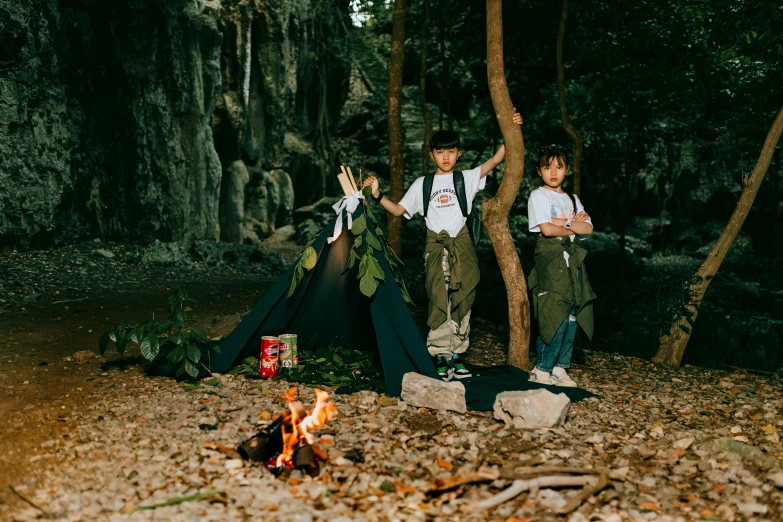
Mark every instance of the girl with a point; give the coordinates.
(562, 296)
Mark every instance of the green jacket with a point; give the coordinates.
(558, 288)
(463, 264)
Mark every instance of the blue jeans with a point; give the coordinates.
(559, 351)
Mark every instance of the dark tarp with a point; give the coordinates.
(328, 303)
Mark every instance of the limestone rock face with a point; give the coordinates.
(532, 409)
(159, 119)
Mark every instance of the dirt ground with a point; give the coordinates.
(100, 439)
(45, 393)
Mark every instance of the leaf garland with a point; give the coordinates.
(368, 239)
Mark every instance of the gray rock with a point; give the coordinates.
(776, 478)
(102, 252)
(426, 392)
(232, 202)
(165, 254)
(532, 408)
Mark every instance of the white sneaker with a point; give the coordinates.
(540, 377)
(561, 378)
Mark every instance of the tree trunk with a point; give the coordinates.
(397, 180)
(425, 110)
(673, 345)
(496, 209)
(567, 126)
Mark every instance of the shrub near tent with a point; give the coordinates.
(186, 345)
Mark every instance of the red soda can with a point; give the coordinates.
(267, 363)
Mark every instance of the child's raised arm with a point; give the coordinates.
(392, 208)
(495, 160)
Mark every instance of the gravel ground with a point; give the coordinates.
(681, 444)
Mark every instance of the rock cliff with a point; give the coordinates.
(165, 119)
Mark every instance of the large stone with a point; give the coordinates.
(426, 392)
(532, 409)
(165, 254)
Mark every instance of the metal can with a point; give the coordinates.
(267, 363)
(289, 356)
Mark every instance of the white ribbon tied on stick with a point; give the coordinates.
(346, 203)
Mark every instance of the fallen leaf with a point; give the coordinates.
(264, 415)
(769, 428)
(445, 464)
(141, 420)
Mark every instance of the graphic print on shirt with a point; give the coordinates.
(556, 211)
(443, 198)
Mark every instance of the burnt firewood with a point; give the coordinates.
(305, 460)
(265, 444)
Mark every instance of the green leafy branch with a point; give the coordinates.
(364, 245)
(186, 344)
(306, 261)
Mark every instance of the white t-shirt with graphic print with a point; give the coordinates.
(545, 204)
(443, 212)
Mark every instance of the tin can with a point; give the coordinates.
(267, 363)
(289, 356)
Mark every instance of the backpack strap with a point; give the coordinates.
(427, 192)
(459, 187)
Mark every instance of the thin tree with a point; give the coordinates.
(673, 345)
(395, 120)
(425, 110)
(496, 209)
(567, 126)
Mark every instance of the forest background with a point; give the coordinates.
(182, 120)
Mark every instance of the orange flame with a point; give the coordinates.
(323, 411)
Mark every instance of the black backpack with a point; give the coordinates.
(472, 214)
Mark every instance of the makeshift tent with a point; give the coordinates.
(328, 303)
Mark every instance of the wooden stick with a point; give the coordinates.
(27, 500)
(348, 177)
(443, 484)
(587, 492)
(345, 184)
(180, 500)
(353, 182)
(518, 486)
(526, 471)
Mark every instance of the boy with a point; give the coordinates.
(449, 254)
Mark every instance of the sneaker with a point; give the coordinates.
(540, 377)
(443, 367)
(561, 378)
(458, 363)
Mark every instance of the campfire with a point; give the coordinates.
(288, 442)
